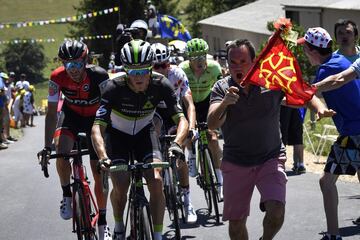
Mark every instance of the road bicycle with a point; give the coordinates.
(172, 190)
(85, 210)
(207, 178)
(141, 227)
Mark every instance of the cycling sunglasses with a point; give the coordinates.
(160, 65)
(73, 64)
(198, 58)
(139, 71)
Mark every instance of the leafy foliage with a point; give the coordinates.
(166, 7)
(25, 57)
(201, 9)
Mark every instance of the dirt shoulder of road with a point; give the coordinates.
(314, 165)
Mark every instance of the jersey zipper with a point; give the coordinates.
(138, 109)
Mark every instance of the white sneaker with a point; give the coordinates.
(220, 191)
(192, 167)
(190, 214)
(65, 208)
(104, 232)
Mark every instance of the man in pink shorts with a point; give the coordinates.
(253, 155)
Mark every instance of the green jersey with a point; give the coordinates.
(201, 87)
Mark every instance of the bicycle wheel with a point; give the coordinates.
(145, 226)
(171, 200)
(83, 215)
(213, 187)
(202, 180)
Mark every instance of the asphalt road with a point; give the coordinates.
(30, 203)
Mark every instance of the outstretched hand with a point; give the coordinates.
(323, 113)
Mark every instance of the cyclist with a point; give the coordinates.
(81, 85)
(126, 112)
(179, 81)
(202, 75)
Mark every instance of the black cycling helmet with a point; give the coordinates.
(72, 50)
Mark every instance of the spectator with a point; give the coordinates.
(9, 88)
(346, 35)
(29, 105)
(253, 152)
(291, 124)
(18, 104)
(23, 79)
(344, 157)
(2, 105)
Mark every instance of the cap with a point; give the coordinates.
(317, 37)
(11, 74)
(4, 75)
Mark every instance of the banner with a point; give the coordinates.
(59, 20)
(170, 27)
(277, 69)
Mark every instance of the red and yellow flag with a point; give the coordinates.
(276, 68)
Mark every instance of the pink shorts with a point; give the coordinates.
(239, 182)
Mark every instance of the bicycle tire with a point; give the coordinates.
(214, 194)
(172, 201)
(146, 231)
(202, 181)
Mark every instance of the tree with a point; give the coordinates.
(201, 9)
(166, 7)
(129, 10)
(25, 57)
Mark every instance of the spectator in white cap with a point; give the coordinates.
(344, 157)
(18, 104)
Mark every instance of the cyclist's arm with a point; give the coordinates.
(190, 109)
(51, 117)
(97, 138)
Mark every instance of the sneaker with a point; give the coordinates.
(65, 208)
(104, 232)
(192, 167)
(118, 236)
(330, 237)
(7, 142)
(294, 168)
(12, 139)
(3, 146)
(357, 221)
(190, 214)
(301, 169)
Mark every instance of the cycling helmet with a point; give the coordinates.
(161, 52)
(140, 24)
(196, 47)
(72, 50)
(137, 53)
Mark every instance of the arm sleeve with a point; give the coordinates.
(103, 113)
(356, 67)
(169, 96)
(102, 78)
(54, 90)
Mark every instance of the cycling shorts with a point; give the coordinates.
(145, 145)
(71, 124)
(344, 157)
(202, 109)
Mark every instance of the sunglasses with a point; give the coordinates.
(77, 65)
(198, 58)
(160, 65)
(139, 71)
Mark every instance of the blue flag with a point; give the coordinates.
(170, 27)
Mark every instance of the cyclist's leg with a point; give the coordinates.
(149, 151)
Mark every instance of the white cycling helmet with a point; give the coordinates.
(161, 51)
(140, 24)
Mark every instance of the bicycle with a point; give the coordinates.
(172, 191)
(207, 179)
(84, 205)
(141, 227)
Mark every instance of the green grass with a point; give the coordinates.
(30, 10)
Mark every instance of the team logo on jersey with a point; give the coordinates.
(53, 88)
(148, 105)
(86, 87)
(101, 111)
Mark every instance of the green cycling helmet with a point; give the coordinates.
(196, 47)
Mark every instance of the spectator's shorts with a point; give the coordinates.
(239, 182)
(145, 145)
(291, 126)
(344, 157)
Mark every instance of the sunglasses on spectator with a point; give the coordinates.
(198, 58)
(160, 65)
(138, 71)
(73, 64)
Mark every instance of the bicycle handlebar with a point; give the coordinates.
(138, 166)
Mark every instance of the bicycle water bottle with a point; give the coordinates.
(192, 160)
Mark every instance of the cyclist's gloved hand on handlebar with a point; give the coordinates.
(103, 164)
(176, 150)
(46, 151)
(193, 134)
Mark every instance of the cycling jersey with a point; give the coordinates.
(128, 111)
(179, 81)
(83, 98)
(201, 87)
